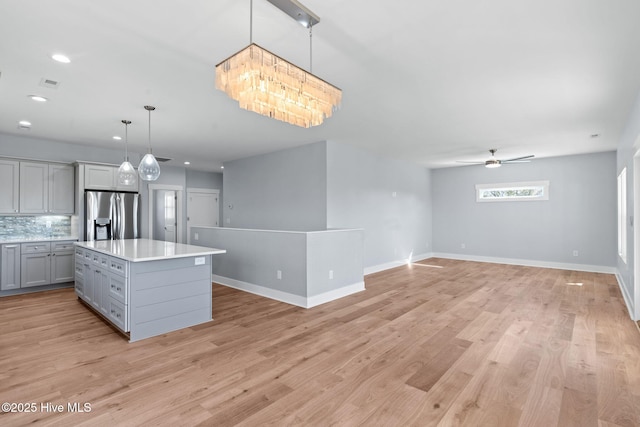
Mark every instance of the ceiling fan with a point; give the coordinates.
(495, 163)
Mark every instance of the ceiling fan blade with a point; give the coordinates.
(470, 163)
(518, 158)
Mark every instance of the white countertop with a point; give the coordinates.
(137, 250)
(30, 239)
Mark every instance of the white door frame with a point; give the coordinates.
(200, 190)
(179, 189)
(636, 235)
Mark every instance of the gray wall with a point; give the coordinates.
(360, 194)
(627, 148)
(48, 150)
(283, 190)
(579, 215)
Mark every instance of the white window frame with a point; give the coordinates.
(622, 215)
(480, 188)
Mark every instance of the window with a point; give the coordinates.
(622, 215)
(521, 191)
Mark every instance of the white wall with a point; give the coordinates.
(579, 215)
(627, 148)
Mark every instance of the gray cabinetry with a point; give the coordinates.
(61, 189)
(62, 262)
(99, 177)
(35, 266)
(45, 263)
(34, 187)
(10, 188)
(102, 282)
(10, 267)
(46, 188)
(104, 177)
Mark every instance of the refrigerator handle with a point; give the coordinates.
(115, 217)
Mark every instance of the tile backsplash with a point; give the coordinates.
(35, 226)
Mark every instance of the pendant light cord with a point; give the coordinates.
(310, 49)
(149, 131)
(250, 21)
(126, 142)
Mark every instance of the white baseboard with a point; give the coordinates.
(530, 263)
(627, 298)
(286, 297)
(334, 294)
(393, 264)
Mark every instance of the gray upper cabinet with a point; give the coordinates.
(104, 177)
(10, 188)
(61, 189)
(99, 177)
(34, 187)
(46, 188)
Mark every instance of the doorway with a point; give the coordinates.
(165, 216)
(203, 208)
(165, 212)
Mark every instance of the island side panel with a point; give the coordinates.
(167, 295)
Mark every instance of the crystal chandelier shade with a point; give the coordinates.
(127, 175)
(149, 169)
(269, 85)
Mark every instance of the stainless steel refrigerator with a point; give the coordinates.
(111, 215)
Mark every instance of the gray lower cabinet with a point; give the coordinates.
(101, 281)
(45, 263)
(10, 267)
(35, 266)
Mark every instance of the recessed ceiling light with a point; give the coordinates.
(60, 58)
(221, 167)
(24, 123)
(38, 98)
(117, 138)
(187, 163)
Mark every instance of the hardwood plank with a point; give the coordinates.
(442, 342)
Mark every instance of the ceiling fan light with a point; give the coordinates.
(492, 163)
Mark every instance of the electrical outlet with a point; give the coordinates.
(575, 252)
(463, 245)
(394, 194)
(330, 274)
(279, 274)
(196, 236)
(228, 220)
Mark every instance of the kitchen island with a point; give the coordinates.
(145, 287)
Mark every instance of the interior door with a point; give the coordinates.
(165, 218)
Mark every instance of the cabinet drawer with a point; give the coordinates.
(79, 270)
(118, 288)
(88, 255)
(119, 266)
(118, 314)
(79, 253)
(34, 248)
(79, 287)
(62, 246)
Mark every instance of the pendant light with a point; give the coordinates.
(149, 169)
(127, 175)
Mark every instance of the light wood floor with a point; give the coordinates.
(440, 343)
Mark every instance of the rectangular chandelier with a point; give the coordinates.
(269, 85)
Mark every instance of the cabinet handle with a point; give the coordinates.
(118, 289)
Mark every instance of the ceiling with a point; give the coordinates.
(424, 80)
